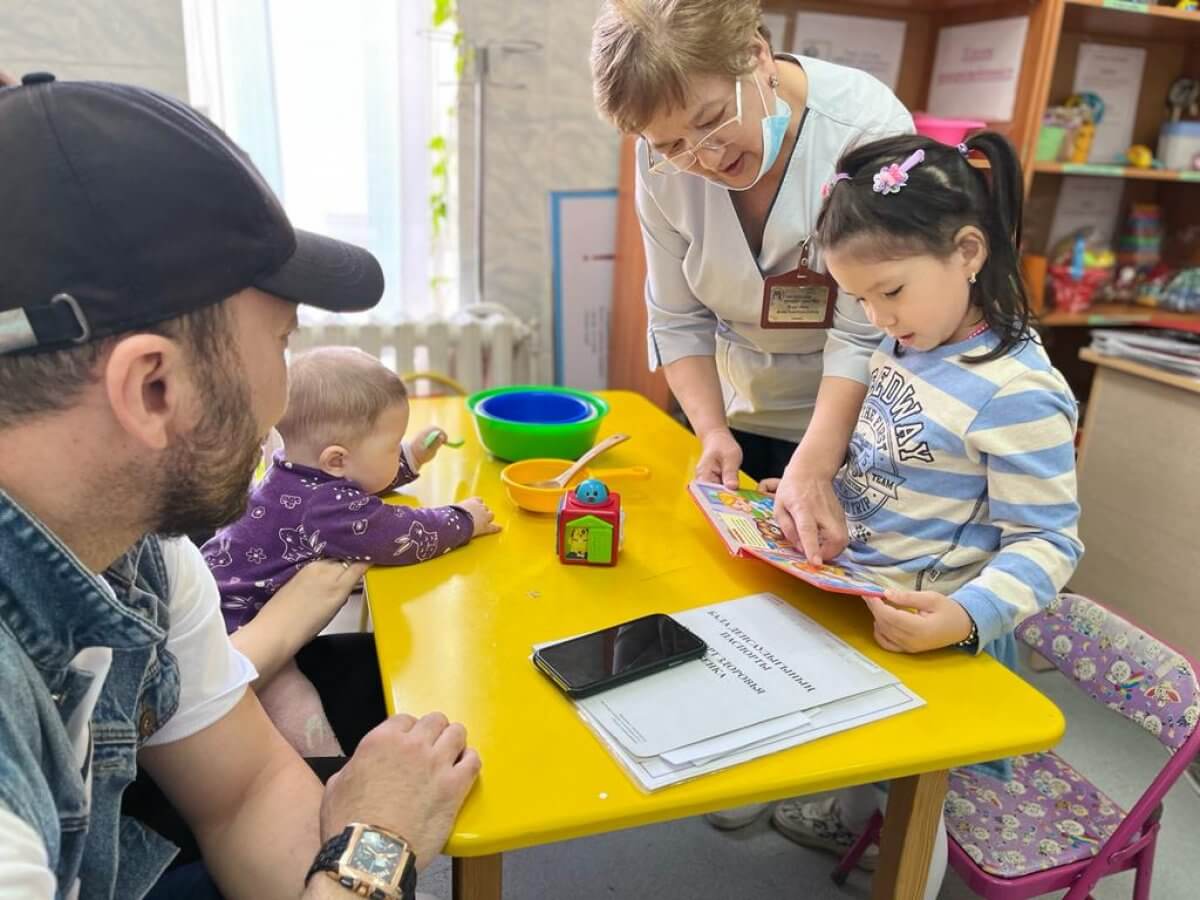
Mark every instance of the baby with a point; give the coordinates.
(343, 435)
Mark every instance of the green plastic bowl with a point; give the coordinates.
(515, 441)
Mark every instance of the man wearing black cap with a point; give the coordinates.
(149, 280)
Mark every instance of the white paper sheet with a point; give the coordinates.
(655, 773)
(765, 659)
(1115, 74)
(725, 744)
(975, 70)
(861, 42)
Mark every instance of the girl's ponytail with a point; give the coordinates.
(1006, 183)
(1000, 291)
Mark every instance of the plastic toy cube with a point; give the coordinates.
(589, 534)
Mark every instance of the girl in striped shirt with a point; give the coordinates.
(959, 483)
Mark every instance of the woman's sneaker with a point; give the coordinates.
(738, 817)
(819, 824)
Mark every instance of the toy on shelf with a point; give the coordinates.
(1174, 290)
(1179, 145)
(588, 530)
(1141, 157)
(1183, 98)
(1143, 277)
(1091, 101)
(1140, 244)
(1068, 130)
(1078, 269)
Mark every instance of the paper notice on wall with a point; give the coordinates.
(975, 70)
(583, 226)
(861, 42)
(1114, 73)
(1083, 202)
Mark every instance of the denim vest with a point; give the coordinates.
(51, 607)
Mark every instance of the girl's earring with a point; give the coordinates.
(773, 82)
(972, 278)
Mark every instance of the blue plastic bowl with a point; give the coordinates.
(536, 408)
(513, 440)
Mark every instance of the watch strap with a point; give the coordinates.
(329, 860)
(330, 854)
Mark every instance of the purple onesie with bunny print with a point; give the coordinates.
(299, 514)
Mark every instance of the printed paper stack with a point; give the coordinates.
(772, 678)
(1177, 351)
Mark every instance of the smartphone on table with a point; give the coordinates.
(585, 665)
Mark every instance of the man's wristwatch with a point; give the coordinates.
(372, 862)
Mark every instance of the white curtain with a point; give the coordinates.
(337, 104)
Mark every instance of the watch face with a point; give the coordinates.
(377, 855)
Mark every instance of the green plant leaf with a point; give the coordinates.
(443, 12)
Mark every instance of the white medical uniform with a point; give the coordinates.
(704, 288)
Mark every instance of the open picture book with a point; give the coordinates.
(745, 520)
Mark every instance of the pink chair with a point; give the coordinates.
(1049, 828)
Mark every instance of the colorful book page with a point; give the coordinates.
(745, 520)
(840, 578)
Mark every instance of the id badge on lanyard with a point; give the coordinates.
(800, 298)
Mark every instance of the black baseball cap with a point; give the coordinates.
(121, 208)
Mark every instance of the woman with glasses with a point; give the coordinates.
(761, 350)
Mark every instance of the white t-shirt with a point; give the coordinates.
(213, 677)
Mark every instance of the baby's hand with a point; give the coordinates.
(426, 443)
(481, 516)
(768, 486)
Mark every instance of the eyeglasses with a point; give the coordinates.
(683, 161)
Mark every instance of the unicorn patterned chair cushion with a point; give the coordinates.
(1118, 665)
(1047, 815)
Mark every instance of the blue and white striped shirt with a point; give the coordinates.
(961, 479)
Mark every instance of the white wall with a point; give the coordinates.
(542, 139)
(134, 41)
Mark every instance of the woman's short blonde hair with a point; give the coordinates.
(645, 52)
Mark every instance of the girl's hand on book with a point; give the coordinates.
(916, 621)
(810, 514)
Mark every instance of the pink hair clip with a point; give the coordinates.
(890, 179)
(827, 187)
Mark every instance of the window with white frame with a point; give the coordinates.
(347, 109)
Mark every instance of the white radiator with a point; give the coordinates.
(482, 346)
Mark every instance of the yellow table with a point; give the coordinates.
(455, 634)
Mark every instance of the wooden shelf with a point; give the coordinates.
(1131, 367)
(1122, 314)
(1098, 170)
(1123, 19)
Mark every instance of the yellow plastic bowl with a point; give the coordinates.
(518, 476)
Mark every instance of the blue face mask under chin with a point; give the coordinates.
(774, 130)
